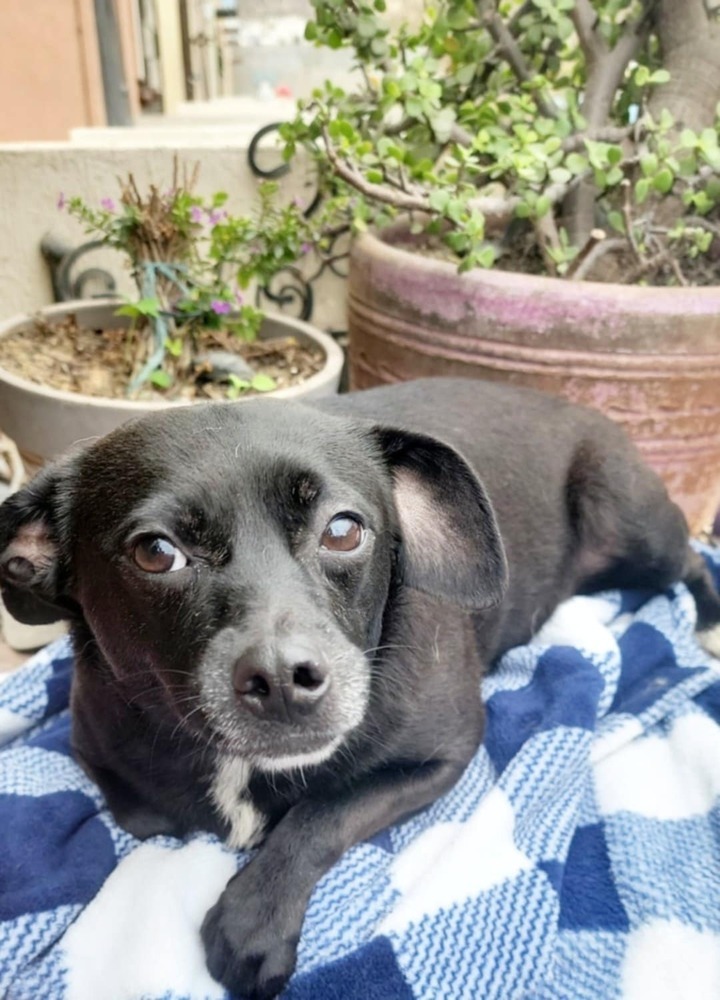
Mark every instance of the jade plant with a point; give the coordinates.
(575, 138)
(192, 262)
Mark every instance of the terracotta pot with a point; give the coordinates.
(43, 422)
(648, 357)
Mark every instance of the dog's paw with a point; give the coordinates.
(248, 947)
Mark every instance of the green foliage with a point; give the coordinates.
(473, 116)
(259, 383)
(192, 261)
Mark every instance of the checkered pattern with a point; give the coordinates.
(578, 856)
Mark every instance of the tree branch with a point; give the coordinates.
(604, 75)
(585, 19)
(510, 49)
(594, 254)
(496, 209)
(606, 72)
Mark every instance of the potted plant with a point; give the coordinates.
(535, 195)
(79, 369)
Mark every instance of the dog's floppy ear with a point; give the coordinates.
(31, 577)
(451, 543)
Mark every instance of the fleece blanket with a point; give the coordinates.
(578, 856)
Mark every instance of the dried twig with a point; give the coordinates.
(548, 240)
(599, 251)
(629, 224)
(578, 267)
(648, 266)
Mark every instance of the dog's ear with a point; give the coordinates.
(31, 574)
(451, 543)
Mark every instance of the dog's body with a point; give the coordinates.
(282, 612)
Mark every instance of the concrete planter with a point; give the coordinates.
(648, 357)
(43, 422)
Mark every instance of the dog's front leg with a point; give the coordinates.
(252, 932)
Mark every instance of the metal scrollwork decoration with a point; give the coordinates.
(90, 283)
(292, 288)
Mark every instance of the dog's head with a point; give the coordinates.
(245, 557)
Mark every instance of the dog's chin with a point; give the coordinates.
(298, 758)
(284, 749)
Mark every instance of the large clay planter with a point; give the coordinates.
(647, 357)
(43, 422)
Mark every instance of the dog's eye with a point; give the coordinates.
(156, 554)
(343, 534)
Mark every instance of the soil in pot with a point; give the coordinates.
(67, 356)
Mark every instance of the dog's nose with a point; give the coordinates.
(284, 691)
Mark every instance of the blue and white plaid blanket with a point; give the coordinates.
(578, 857)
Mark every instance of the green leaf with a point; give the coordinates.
(143, 307)
(162, 379)
(148, 307)
(542, 206)
(173, 345)
(649, 164)
(663, 180)
(560, 175)
(617, 222)
(439, 199)
(642, 189)
(659, 76)
(485, 257)
(263, 383)
(576, 163)
(442, 124)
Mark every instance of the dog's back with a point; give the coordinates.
(577, 508)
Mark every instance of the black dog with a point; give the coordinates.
(281, 612)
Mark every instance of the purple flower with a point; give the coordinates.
(61, 202)
(220, 307)
(196, 213)
(108, 204)
(305, 248)
(213, 216)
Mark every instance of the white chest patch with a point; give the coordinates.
(228, 793)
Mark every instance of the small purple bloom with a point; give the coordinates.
(213, 216)
(196, 213)
(108, 204)
(61, 202)
(305, 248)
(239, 298)
(220, 307)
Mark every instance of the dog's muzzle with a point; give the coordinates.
(280, 685)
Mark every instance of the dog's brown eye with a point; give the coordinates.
(156, 554)
(343, 534)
